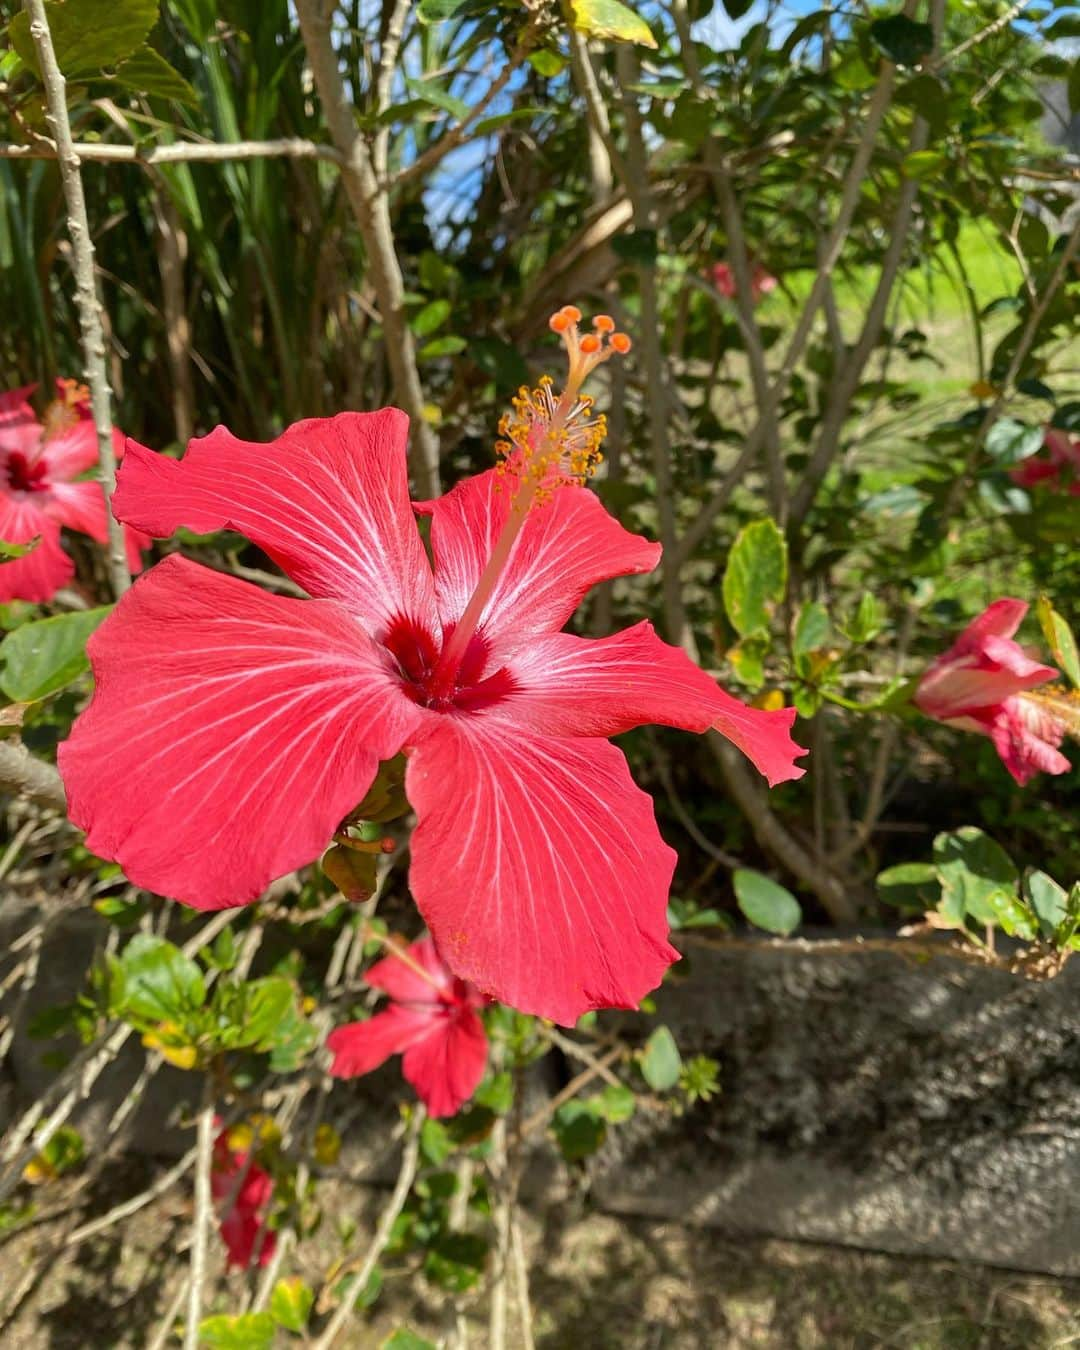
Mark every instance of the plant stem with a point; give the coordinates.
(204, 1208)
(86, 294)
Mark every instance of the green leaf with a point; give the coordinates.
(866, 622)
(1074, 87)
(158, 982)
(811, 628)
(1009, 441)
(610, 19)
(355, 874)
(432, 316)
(661, 1062)
(748, 660)
(973, 869)
(1012, 916)
(250, 1331)
(40, 658)
(429, 91)
(496, 1093)
(10, 550)
(1049, 901)
(902, 40)
(404, 1339)
(922, 163)
(267, 1003)
(435, 1142)
(547, 63)
(456, 1261)
(765, 903)
(88, 34)
(1060, 640)
(438, 11)
(147, 72)
(443, 346)
(291, 1302)
(615, 1104)
(735, 9)
(913, 886)
(755, 577)
(578, 1131)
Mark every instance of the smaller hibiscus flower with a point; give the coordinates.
(761, 281)
(1056, 466)
(42, 487)
(432, 1022)
(242, 1190)
(986, 683)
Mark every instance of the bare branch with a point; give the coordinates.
(204, 1208)
(370, 206)
(24, 776)
(86, 294)
(181, 152)
(406, 1174)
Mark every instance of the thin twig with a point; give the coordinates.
(87, 300)
(179, 152)
(368, 199)
(406, 1174)
(204, 1209)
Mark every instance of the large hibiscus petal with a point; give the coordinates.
(419, 978)
(229, 733)
(41, 573)
(538, 867)
(571, 686)
(74, 450)
(360, 1047)
(1026, 736)
(446, 1066)
(19, 428)
(81, 506)
(328, 501)
(565, 546)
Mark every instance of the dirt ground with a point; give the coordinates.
(597, 1283)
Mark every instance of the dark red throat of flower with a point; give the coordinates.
(424, 677)
(23, 476)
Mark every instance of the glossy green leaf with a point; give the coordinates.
(578, 1131)
(248, 1331)
(1009, 441)
(40, 658)
(438, 11)
(755, 577)
(811, 628)
(158, 983)
(1049, 901)
(765, 903)
(610, 19)
(432, 316)
(147, 72)
(910, 886)
(660, 1061)
(88, 34)
(973, 869)
(291, 1303)
(404, 1339)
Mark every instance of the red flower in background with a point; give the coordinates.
(432, 1022)
(40, 462)
(981, 684)
(242, 1190)
(1056, 466)
(761, 281)
(232, 730)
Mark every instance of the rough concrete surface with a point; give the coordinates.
(929, 1105)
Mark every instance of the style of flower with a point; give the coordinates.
(42, 487)
(431, 1021)
(231, 731)
(985, 683)
(761, 281)
(1056, 466)
(242, 1191)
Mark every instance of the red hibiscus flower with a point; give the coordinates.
(982, 684)
(1056, 466)
(231, 730)
(242, 1190)
(432, 1022)
(39, 465)
(761, 281)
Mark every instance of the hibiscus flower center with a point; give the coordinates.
(23, 476)
(416, 654)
